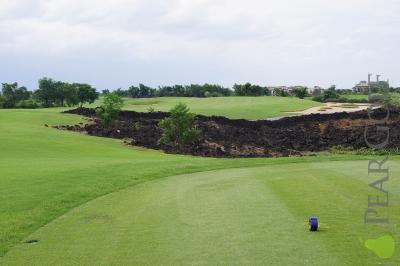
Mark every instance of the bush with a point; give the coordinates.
(178, 129)
(2, 102)
(212, 94)
(357, 100)
(27, 104)
(109, 111)
(392, 99)
(319, 98)
(376, 98)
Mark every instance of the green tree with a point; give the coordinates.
(331, 93)
(300, 92)
(134, 92)
(281, 93)
(12, 94)
(8, 92)
(63, 91)
(85, 93)
(178, 129)
(47, 92)
(110, 108)
(70, 94)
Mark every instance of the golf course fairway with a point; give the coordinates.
(95, 201)
(232, 107)
(243, 216)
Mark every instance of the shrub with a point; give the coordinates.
(27, 104)
(376, 98)
(319, 98)
(110, 108)
(392, 99)
(212, 94)
(178, 129)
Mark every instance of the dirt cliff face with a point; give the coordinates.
(223, 137)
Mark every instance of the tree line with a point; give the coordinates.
(205, 90)
(50, 93)
(193, 90)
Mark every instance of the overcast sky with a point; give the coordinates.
(117, 43)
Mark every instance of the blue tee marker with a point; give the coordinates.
(313, 222)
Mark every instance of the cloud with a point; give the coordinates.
(224, 41)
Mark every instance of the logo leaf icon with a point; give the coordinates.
(383, 246)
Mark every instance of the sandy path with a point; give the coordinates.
(329, 108)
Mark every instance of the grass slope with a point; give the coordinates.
(247, 216)
(232, 107)
(45, 172)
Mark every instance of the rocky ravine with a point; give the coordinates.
(223, 137)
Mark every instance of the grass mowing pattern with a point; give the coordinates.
(247, 216)
(45, 172)
(231, 107)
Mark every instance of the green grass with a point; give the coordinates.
(231, 216)
(245, 216)
(232, 107)
(355, 96)
(45, 172)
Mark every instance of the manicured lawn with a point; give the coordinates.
(232, 107)
(241, 216)
(244, 216)
(45, 172)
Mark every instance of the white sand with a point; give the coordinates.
(330, 108)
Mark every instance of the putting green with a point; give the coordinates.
(237, 216)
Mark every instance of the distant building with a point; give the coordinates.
(361, 87)
(367, 86)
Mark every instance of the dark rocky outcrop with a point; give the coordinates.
(223, 137)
